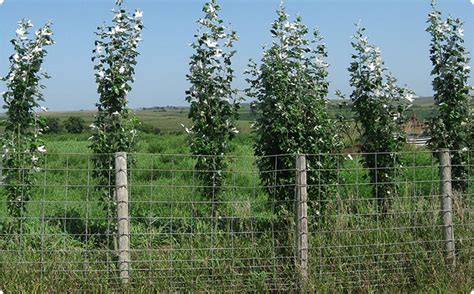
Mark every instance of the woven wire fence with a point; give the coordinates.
(243, 235)
(355, 245)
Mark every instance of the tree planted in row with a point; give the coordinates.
(290, 87)
(114, 129)
(213, 100)
(379, 106)
(22, 144)
(450, 125)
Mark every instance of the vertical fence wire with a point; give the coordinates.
(241, 237)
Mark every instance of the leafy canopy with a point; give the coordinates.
(213, 101)
(22, 144)
(379, 105)
(449, 126)
(290, 88)
(114, 129)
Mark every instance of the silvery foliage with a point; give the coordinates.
(114, 129)
(22, 145)
(449, 125)
(213, 101)
(379, 106)
(290, 87)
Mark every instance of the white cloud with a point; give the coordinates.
(1, 1)
(472, 1)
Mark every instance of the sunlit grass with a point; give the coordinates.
(175, 243)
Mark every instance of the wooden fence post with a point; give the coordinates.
(447, 204)
(302, 219)
(121, 192)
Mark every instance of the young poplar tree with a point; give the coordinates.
(379, 105)
(290, 88)
(22, 144)
(471, 129)
(114, 129)
(213, 100)
(449, 126)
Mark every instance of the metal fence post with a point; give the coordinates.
(121, 192)
(447, 204)
(302, 219)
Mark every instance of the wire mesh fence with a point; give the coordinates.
(243, 235)
(358, 246)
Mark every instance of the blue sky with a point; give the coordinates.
(396, 26)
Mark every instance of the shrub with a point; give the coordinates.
(448, 127)
(52, 125)
(22, 146)
(149, 129)
(114, 129)
(214, 104)
(75, 125)
(379, 106)
(290, 87)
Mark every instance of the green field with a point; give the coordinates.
(176, 246)
(170, 119)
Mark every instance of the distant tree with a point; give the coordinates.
(149, 129)
(290, 87)
(22, 144)
(214, 104)
(253, 110)
(52, 125)
(449, 125)
(75, 125)
(379, 106)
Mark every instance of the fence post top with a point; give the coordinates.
(120, 154)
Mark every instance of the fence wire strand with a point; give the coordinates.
(242, 236)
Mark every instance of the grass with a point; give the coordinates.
(170, 119)
(176, 245)
(167, 120)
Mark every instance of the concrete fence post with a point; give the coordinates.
(302, 219)
(123, 220)
(447, 204)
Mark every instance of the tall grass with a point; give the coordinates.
(176, 245)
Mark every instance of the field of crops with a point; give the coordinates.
(176, 244)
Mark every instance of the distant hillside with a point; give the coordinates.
(170, 118)
(422, 107)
